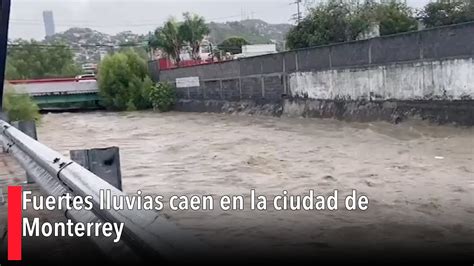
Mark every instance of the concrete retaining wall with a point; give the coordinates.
(450, 79)
(427, 74)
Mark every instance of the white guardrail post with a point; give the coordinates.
(146, 233)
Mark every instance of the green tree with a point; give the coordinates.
(124, 83)
(168, 39)
(141, 51)
(446, 12)
(192, 31)
(19, 106)
(173, 36)
(394, 17)
(340, 21)
(11, 72)
(331, 22)
(233, 45)
(32, 59)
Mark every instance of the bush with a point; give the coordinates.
(20, 106)
(123, 82)
(162, 96)
(445, 12)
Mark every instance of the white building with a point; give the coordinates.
(256, 49)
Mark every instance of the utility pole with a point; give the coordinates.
(297, 16)
(4, 20)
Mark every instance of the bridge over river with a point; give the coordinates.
(61, 94)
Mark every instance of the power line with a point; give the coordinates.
(81, 47)
(78, 45)
(85, 23)
(13, 46)
(80, 24)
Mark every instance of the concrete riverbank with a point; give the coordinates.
(423, 75)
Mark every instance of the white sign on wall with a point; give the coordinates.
(187, 82)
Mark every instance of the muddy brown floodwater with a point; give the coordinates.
(419, 178)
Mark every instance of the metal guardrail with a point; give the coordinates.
(146, 233)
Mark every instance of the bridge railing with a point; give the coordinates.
(55, 87)
(145, 232)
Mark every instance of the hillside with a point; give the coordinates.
(89, 45)
(253, 30)
(86, 36)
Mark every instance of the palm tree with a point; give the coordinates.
(193, 30)
(168, 39)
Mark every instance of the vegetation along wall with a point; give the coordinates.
(425, 74)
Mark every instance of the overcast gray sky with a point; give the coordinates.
(141, 16)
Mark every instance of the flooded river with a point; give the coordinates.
(419, 178)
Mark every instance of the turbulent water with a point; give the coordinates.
(419, 178)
